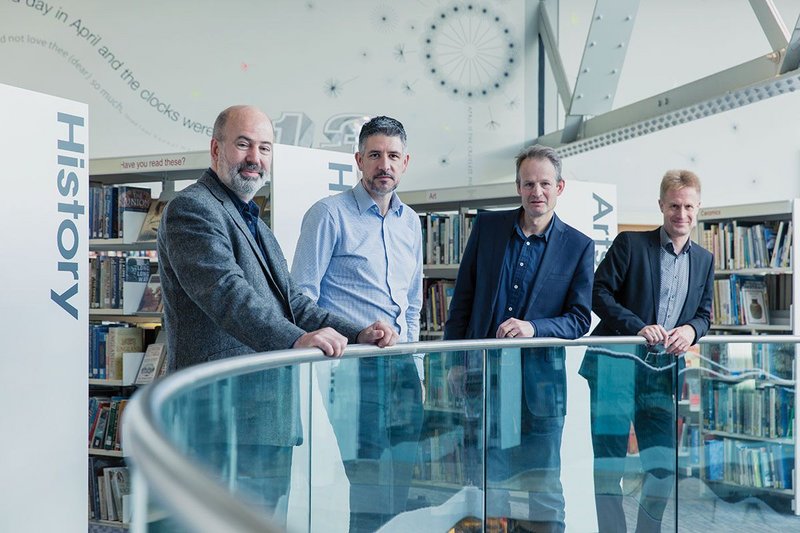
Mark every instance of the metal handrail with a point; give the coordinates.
(201, 502)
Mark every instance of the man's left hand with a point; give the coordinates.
(514, 328)
(679, 339)
(379, 333)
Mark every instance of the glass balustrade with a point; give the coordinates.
(538, 435)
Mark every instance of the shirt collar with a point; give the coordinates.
(243, 208)
(666, 243)
(365, 201)
(544, 235)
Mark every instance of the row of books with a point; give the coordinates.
(105, 422)
(107, 205)
(444, 377)
(444, 236)
(750, 464)
(737, 246)
(109, 490)
(107, 342)
(120, 281)
(689, 440)
(776, 360)
(766, 412)
(740, 300)
(440, 457)
(436, 304)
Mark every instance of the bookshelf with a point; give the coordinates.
(748, 394)
(446, 218)
(124, 192)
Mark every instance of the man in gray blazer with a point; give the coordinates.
(227, 292)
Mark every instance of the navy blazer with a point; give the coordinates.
(559, 305)
(627, 284)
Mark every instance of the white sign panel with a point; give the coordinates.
(43, 312)
(301, 176)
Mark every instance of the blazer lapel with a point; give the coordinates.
(236, 217)
(498, 250)
(654, 255)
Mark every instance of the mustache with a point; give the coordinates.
(383, 175)
(253, 167)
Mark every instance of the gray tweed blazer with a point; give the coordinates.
(222, 298)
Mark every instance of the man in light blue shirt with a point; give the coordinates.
(359, 255)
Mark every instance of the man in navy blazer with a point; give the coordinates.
(525, 273)
(659, 285)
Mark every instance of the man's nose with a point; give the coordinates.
(253, 154)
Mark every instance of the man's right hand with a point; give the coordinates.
(654, 334)
(330, 341)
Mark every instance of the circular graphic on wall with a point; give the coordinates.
(469, 50)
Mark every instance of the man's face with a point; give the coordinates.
(538, 187)
(242, 159)
(680, 207)
(382, 162)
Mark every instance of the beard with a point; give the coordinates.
(379, 188)
(243, 186)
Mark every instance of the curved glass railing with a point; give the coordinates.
(597, 434)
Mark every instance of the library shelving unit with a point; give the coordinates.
(116, 253)
(749, 425)
(446, 218)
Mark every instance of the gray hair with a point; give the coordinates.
(538, 151)
(381, 125)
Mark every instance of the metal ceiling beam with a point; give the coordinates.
(791, 60)
(750, 82)
(771, 22)
(603, 57)
(551, 49)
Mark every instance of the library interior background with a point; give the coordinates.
(108, 112)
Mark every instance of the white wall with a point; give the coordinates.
(742, 156)
(282, 55)
(43, 378)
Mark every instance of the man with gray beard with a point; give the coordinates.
(227, 292)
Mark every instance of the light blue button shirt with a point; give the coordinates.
(361, 265)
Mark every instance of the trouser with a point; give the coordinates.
(534, 466)
(626, 393)
(389, 417)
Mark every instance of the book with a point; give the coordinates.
(151, 298)
(131, 200)
(152, 220)
(151, 364)
(117, 485)
(120, 339)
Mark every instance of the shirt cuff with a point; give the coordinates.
(534, 328)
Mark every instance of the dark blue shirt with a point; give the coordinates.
(520, 265)
(249, 212)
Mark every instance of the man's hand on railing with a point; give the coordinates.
(330, 341)
(379, 333)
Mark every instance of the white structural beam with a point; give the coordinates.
(771, 22)
(554, 57)
(791, 60)
(603, 57)
(747, 83)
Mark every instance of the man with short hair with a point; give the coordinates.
(360, 255)
(525, 273)
(658, 285)
(227, 292)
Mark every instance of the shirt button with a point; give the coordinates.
(510, 308)
(516, 286)
(522, 264)
(527, 243)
